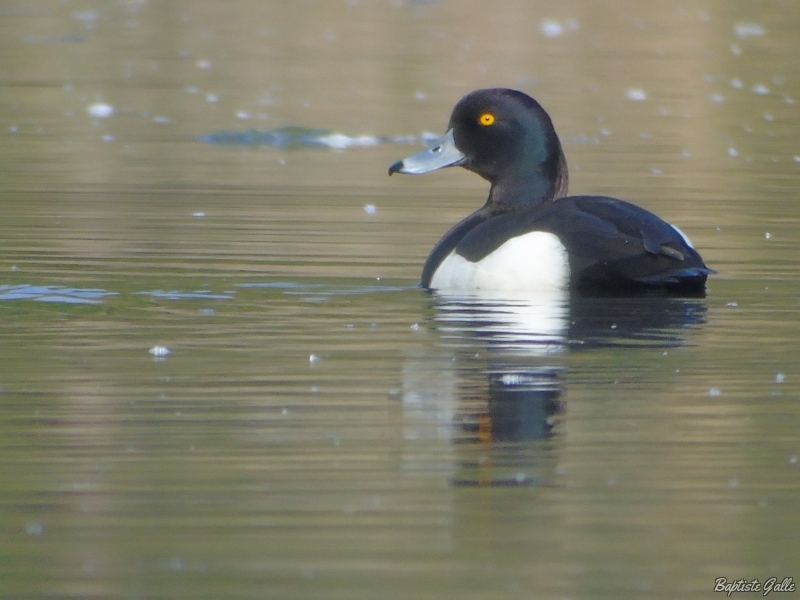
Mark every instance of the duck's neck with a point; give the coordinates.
(547, 183)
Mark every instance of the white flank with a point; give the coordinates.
(534, 261)
(683, 235)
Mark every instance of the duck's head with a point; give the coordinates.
(507, 138)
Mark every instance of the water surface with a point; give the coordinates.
(220, 379)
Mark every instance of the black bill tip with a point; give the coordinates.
(396, 167)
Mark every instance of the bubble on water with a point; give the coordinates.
(736, 50)
(733, 152)
(714, 392)
(797, 158)
(780, 378)
(160, 351)
(717, 98)
(34, 528)
(636, 94)
(202, 63)
(736, 83)
(162, 120)
(768, 235)
(243, 115)
(314, 359)
(212, 98)
(370, 209)
(100, 110)
(551, 28)
(760, 89)
(420, 96)
(746, 30)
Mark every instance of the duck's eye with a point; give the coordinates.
(486, 119)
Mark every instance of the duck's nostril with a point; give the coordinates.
(437, 149)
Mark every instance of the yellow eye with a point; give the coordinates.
(486, 119)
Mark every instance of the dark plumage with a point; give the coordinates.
(611, 246)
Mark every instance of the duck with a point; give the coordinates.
(530, 235)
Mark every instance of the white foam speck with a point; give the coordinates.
(767, 235)
(428, 137)
(370, 209)
(733, 152)
(551, 28)
(161, 120)
(717, 98)
(736, 50)
(203, 63)
(714, 392)
(736, 83)
(780, 378)
(100, 110)
(420, 96)
(797, 158)
(244, 116)
(160, 351)
(760, 89)
(199, 215)
(745, 30)
(636, 94)
(314, 359)
(339, 141)
(212, 98)
(108, 138)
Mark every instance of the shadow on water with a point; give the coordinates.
(507, 373)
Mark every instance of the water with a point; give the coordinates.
(219, 379)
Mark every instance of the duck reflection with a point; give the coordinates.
(495, 383)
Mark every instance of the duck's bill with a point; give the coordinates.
(442, 154)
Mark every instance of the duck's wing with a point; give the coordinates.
(615, 244)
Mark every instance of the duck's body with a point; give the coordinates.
(530, 234)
